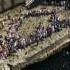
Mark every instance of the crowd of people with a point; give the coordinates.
(13, 41)
(37, 12)
(40, 12)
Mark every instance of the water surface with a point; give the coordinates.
(59, 61)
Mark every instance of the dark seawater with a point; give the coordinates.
(59, 61)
